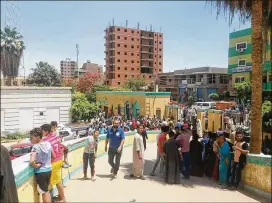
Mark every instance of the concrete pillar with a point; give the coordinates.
(205, 79)
(217, 80)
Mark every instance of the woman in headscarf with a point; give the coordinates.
(196, 149)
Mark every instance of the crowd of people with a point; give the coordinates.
(180, 151)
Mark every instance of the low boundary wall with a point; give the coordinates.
(256, 176)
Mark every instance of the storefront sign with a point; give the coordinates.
(241, 69)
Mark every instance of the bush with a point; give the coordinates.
(16, 136)
(214, 96)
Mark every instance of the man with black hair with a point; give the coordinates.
(116, 140)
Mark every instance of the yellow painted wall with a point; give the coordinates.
(234, 41)
(246, 75)
(257, 176)
(148, 104)
(156, 102)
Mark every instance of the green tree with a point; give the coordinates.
(192, 98)
(82, 109)
(12, 47)
(135, 84)
(243, 91)
(260, 13)
(267, 107)
(44, 75)
(214, 96)
(91, 95)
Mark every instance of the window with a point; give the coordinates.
(118, 68)
(118, 37)
(137, 54)
(125, 53)
(239, 79)
(241, 62)
(159, 49)
(132, 46)
(159, 63)
(125, 30)
(137, 32)
(132, 61)
(118, 29)
(155, 41)
(241, 46)
(160, 56)
(132, 31)
(224, 79)
(155, 49)
(118, 83)
(118, 52)
(125, 76)
(132, 54)
(160, 70)
(118, 76)
(150, 76)
(125, 68)
(138, 47)
(125, 38)
(138, 62)
(138, 40)
(211, 79)
(132, 39)
(118, 60)
(132, 68)
(125, 46)
(160, 35)
(125, 61)
(118, 45)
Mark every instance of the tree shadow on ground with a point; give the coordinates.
(187, 183)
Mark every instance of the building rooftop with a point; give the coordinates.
(201, 70)
(135, 93)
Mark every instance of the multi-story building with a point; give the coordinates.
(132, 53)
(89, 67)
(203, 81)
(67, 68)
(240, 61)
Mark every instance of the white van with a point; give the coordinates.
(205, 105)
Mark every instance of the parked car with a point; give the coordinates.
(67, 134)
(19, 149)
(205, 105)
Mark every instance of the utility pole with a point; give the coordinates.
(77, 51)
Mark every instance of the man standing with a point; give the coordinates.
(57, 162)
(138, 154)
(184, 141)
(116, 137)
(240, 151)
(161, 140)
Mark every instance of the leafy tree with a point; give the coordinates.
(69, 82)
(214, 96)
(135, 84)
(44, 75)
(12, 47)
(87, 81)
(192, 98)
(267, 107)
(91, 95)
(260, 13)
(81, 109)
(243, 90)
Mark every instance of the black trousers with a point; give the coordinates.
(88, 158)
(113, 154)
(235, 174)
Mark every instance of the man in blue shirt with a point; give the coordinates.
(116, 137)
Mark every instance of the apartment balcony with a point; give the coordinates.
(146, 52)
(146, 37)
(147, 45)
(146, 59)
(267, 86)
(111, 48)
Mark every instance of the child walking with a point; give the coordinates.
(40, 160)
(89, 154)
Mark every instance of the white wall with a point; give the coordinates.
(37, 105)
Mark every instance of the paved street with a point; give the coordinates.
(123, 189)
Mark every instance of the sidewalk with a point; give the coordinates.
(153, 189)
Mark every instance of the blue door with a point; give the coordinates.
(199, 93)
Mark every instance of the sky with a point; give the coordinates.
(193, 36)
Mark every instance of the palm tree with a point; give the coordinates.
(260, 12)
(12, 47)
